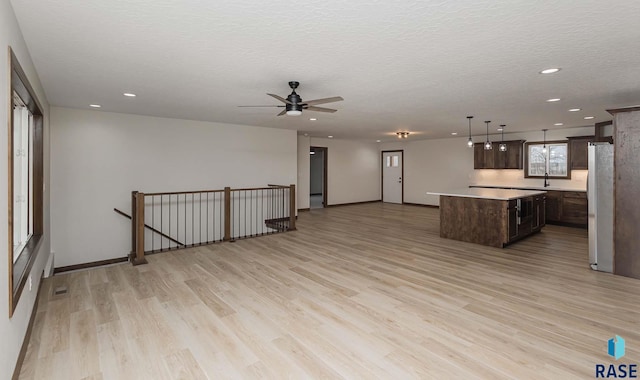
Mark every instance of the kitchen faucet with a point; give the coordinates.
(546, 179)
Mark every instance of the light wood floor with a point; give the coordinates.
(361, 292)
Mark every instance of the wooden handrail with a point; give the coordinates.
(150, 228)
(270, 186)
(184, 192)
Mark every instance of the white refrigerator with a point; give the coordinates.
(600, 196)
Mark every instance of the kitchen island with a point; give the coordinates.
(493, 217)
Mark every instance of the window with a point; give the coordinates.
(551, 158)
(22, 173)
(393, 161)
(25, 181)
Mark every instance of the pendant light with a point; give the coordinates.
(544, 142)
(487, 144)
(470, 141)
(503, 146)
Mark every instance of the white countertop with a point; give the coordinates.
(485, 193)
(548, 188)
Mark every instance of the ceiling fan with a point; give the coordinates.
(293, 104)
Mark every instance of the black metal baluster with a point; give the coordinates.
(214, 216)
(161, 225)
(153, 220)
(245, 214)
(207, 217)
(233, 214)
(192, 217)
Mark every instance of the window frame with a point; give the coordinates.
(20, 269)
(526, 158)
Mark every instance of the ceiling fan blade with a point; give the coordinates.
(284, 112)
(262, 106)
(324, 100)
(280, 98)
(319, 109)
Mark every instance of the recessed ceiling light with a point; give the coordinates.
(575, 109)
(330, 137)
(500, 129)
(313, 119)
(95, 105)
(550, 71)
(553, 100)
(377, 140)
(129, 94)
(306, 134)
(589, 117)
(454, 133)
(558, 124)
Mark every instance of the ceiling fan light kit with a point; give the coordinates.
(294, 105)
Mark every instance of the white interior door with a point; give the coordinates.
(392, 177)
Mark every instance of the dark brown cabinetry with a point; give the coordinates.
(578, 148)
(539, 214)
(492, 222)
(482, 159)
(553, 206)
(525, 216)
(557, 207)
(567, 207)
(495, 159)
(513, 219)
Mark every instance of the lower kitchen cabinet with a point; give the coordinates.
(553, 206)
(539, 212)
(567, 207)
(526, 216)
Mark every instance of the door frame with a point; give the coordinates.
(382, 172)
(325, 174)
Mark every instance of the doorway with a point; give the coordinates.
(393, 176)
(317, 177)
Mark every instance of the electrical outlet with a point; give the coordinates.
(30, 283)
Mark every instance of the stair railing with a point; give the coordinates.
(176, 220)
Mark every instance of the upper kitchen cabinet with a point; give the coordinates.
(579, 157)
(512, 158)
(495, 159)
(578, 146)
(482, 159)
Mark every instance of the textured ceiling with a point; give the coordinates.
(410, 65)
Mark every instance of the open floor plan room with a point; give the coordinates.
(363, 291)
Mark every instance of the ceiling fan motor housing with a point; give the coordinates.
(294, 98)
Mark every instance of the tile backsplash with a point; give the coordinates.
(515, 178)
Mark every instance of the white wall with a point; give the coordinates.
(98, 158)
(304, 143)
(316, 165)
(13, 330)
(447, 164)
(433, 165)
(353, 170)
